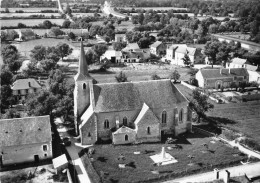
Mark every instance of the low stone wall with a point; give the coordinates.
(93, 175)
(201, 131)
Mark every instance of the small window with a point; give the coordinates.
(106, 124)
(84, 86)
(181, 115)
(35, 90)
(45, 155)
(164, 116)
(26, 91)
(125, 121)
(148, 130)
(126, 137)
(19, 92)
(235, 77)
(89, 135)
(245, 77)
(44, 147)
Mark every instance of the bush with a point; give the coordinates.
(229, 134)
(250, 143)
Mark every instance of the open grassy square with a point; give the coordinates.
(140, 167)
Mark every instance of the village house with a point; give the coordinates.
(25, 140)
(158, 48)
(218, 78)
(181, 51)
(135, 56)
(112, 55)
(170, 51)
(120, 38)
(127, 112)
(22, 87)
(131, 47)
(253, 71)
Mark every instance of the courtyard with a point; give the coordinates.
(132, 163)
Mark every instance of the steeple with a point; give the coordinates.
(83, 66)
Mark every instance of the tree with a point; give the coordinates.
(68, 10)
(3, 36)
(121, 77)
(7, 10)
(11, 57)
(47, 24)
(118, 46)
(63, 50)
(186, 60)
(72, 36)
(38, 53)
(6, 77)
(211, 50)
(140, 18)
(175, 75)
(11, 113)
(99, 49)
(155, 77)
(47, 64)
(144, 42)
(21, 25)
(55, 31)
(66, 24)
(199, 103)
(6, 93)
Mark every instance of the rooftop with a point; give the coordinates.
(22, 131)
(22, 84)
(156, 44)
(222, 73)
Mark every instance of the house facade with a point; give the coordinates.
(221, 78)
(120, 38)
(158, 48)
(22, 87)
(25, 140)
(112, 55)
(127, 112)
(170, 51)
(180, 53)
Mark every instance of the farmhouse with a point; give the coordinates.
(120, 38)
(22, 87)
(25, 140)
(180, 53)
(135, 56)
(125, 112)
(112, 55)
(158, 48)
(218, 78)
(170, 51)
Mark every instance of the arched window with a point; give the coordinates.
(126, 137)
(175, 116)
(148, 130)
(84, 86)
(164, 117)
(106, 124)
(181, 116)
(125, 121)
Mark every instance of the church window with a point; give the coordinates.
(181, 116)
(148, 130)
(126, 137)
(84, 86)
(164, 116)
(106, 124)
(125, 121)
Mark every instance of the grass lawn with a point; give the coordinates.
(141, 165)
(128, 25)
(243, 117)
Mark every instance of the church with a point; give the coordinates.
(129, 112)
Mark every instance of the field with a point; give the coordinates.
(45, 14)
(243, 117)
(12, 10)
(154, 8)
(128, 25)
(29, 22)
(139, 167)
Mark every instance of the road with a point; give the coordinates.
(251, 170)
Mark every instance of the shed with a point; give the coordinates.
(60, 163)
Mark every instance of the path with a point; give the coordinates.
(251, 170)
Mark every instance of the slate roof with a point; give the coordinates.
(131, 95)
(174, 46)
(124, 129)
(184, 49)
(21, 131)
(145, 111)
(112, 53)
(22, 84)
(215, 73)
(238, 61)
(156, 44)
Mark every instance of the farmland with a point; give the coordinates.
(29, 22)
(140, 167)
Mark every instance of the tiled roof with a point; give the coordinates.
(124, 129)
(21, 131)
(181, 49)
(22, 84)
(131, 46)
(145, 112)
(132, 95)
(238, 61)
(156, 44)
(215, 73)
(184, 49)
(112, 53)
(191, 51)
(251, 67)
(174, 46)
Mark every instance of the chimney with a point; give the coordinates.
(226, 176)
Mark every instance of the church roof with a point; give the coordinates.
(21, 131)
(144, 113)
(124, 129)
(131, 95)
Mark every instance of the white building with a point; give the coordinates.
(112, 55)
(180, 53)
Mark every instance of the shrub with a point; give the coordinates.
(250, 143)
(229, 134)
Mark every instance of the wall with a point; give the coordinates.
(89, 129)
(120, 138)
(254, 76)
(25, 153)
